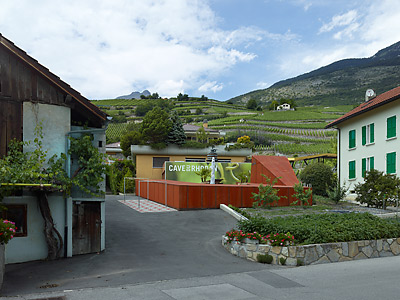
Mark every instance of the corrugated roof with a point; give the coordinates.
(378, 101)
(52, 77)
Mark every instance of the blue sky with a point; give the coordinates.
(219, 48)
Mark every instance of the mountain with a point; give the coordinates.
(342, 82)
(135, 95)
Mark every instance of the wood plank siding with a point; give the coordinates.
(22, 79)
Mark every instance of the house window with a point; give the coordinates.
(391, 163)
(352, 139)
(352, 169)
(195, 159)
(225, 160)
(158, 162)
(368, 134)
(391, 127)
(17, 214)
(367, 165)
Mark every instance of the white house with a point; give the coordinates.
(368, 138)
(284, 106)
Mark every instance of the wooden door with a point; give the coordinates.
(86, 227)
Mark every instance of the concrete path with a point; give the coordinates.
(140, 248)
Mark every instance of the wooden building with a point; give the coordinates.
(31, 95)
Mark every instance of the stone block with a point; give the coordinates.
(379, 245)
(251, 247)
(290, 261)
(292, 251)
(345, 258)
(367, 250)
(276, 249)
(320, 250)
(386, 246)
(345, 249)
(333, 255)
(395, 248)
(375, 254)
(262, 249)
(373, 244)
(361, 243)
(360, 256)
(311, 255)
(385, 253)
(323, 260)
(353, 249)
(242, 252)
(300, 251)
(285, 251)
(398, 240)
(274, 258)
(390, 241)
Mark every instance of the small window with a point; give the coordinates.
(391, 127)
(352, 139)
(224, 160)
(368, 134)
(391, 163)
(17, 214)
(158, 162)
(195, 159)
(352, 169)
(367, 164)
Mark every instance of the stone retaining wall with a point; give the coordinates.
(316, 253)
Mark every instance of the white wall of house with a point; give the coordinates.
(33, 246)
(378, 149)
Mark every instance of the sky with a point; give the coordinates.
(217, 48)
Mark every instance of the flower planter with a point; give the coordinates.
(250, 241)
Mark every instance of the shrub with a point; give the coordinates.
(264, 258)
(325, 228)
(378, 189)
(282, 260)
(337, 193)
(320, 176)
(302, 196)
(267, 195)
(7, 231)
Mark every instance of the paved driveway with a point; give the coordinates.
(140, 247)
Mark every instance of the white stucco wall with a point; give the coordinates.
(33, 246)
(378, 149)
(55, 121)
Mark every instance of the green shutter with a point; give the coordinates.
(364, 135)
(391, 163)
(363, 166)
(352, 139)
(352, 169)
(391, 127)
(372, 133)
(371, 163)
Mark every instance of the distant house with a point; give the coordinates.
(191, 132)
(368, 138)
(114, 152)
(29, 95)
(284, 106)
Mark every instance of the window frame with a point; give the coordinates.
(5, 215)
(156, 164)
(352, 139)
(352, 170)
(367, 164)
(391, 127)
(391, 162)
(368, 134)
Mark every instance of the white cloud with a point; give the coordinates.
(343, 20)
(211, 86)
(112, 47)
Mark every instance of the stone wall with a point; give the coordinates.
(317, 253)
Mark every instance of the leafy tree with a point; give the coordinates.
(203, 98)
(378, 189)
(156, 126)
(302, 195)
(320, 176)
(143, 109)
(176, 135)
(181, 97)
(274, 104)
(201, 135)
(128, 139)
(204, 174)
(267, 195)
(199, 111)
(252, 104)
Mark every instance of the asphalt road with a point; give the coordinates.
(140, 248)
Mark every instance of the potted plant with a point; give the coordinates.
(7, 232)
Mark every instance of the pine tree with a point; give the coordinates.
(176, 135)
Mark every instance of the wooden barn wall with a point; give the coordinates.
(18, 83)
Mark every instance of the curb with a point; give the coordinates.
(233, 213)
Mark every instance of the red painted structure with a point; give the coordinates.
(184, 195)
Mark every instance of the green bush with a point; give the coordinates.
(282, 260)
(320, 176)
(116, 173)
(264, 258)
(378, 189)
(325, 228)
